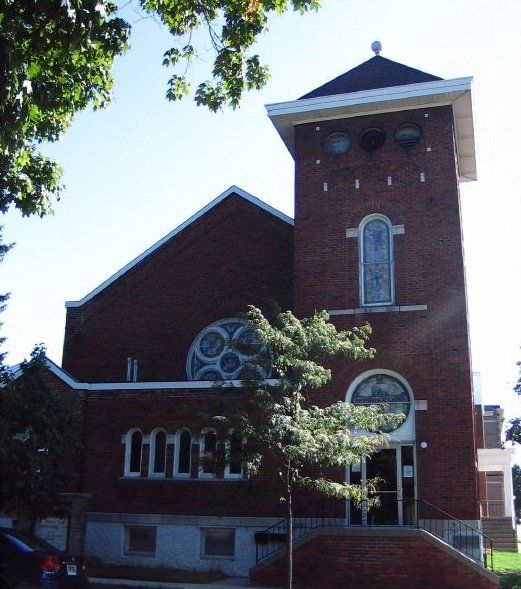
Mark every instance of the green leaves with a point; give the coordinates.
(233, 27)
(55, 60)
(33, 440)
(301, 346)
(284, 425)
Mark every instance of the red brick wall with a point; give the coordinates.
(109, 416)
(373, 561)
(235, 255)
(429, 348)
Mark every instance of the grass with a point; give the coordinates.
(165, 575)
(507, 566)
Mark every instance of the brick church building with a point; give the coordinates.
(379, 154)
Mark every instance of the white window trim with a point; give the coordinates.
(361, 227)
(202, 474)
(128, 452)
(227, 449)
(410, 423)
(177, 448)
(152, 454)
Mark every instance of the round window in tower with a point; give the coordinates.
(383, 389)
(407, 135)
(227, 350)
(372, 140)
(337, 144)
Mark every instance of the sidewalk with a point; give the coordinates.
(231, 583)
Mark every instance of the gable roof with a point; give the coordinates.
(377, 72)
(16, 371)
(232, 190)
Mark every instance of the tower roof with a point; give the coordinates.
(377, 72)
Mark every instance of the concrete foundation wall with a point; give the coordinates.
(177, 546)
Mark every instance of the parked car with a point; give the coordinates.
(28, 562)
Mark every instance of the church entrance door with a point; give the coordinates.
(394, 467)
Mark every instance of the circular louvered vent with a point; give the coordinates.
(372, 140)
(407, 135)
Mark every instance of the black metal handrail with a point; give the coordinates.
(460, 535)
(418, 513)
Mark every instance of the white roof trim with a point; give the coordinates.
(232, 190)
(16, 372)
(456, 92)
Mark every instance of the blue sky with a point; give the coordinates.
(140, 168)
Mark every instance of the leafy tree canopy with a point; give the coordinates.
(4, 248)
(513, 433)
(302, 440)
(56, 57)
(282, 416)
(33, 426)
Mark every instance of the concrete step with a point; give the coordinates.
(502, 532)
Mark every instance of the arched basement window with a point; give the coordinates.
(183, 453)
(376, 261)
(133, 451)
(157, 453)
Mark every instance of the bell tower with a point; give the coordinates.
(379, 154)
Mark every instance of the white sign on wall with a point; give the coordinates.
(53, 530)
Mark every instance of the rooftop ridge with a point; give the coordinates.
(376, 72)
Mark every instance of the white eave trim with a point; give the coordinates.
(16, 372)
(456, 92)
(232, 190)
(494, 459)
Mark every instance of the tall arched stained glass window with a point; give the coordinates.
(376, 261)
(157, 462)
(133, 452)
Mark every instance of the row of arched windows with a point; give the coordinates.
(183, 457)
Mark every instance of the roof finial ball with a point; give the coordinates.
(376, 46)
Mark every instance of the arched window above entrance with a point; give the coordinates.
(385, 387)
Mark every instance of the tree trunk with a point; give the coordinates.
(289, 530)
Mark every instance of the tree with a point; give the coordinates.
(56, 57)
(513, 433)
(33, 441)
(55, 60)
(283, 425)
(4, 248)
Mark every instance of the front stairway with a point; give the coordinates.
(436, 552)
(502, 532)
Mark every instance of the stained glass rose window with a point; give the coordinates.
(382, 389)
(226, 350)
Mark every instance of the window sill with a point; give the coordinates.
(176, 478)
(382, 309)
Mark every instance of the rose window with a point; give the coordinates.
(226, 350)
